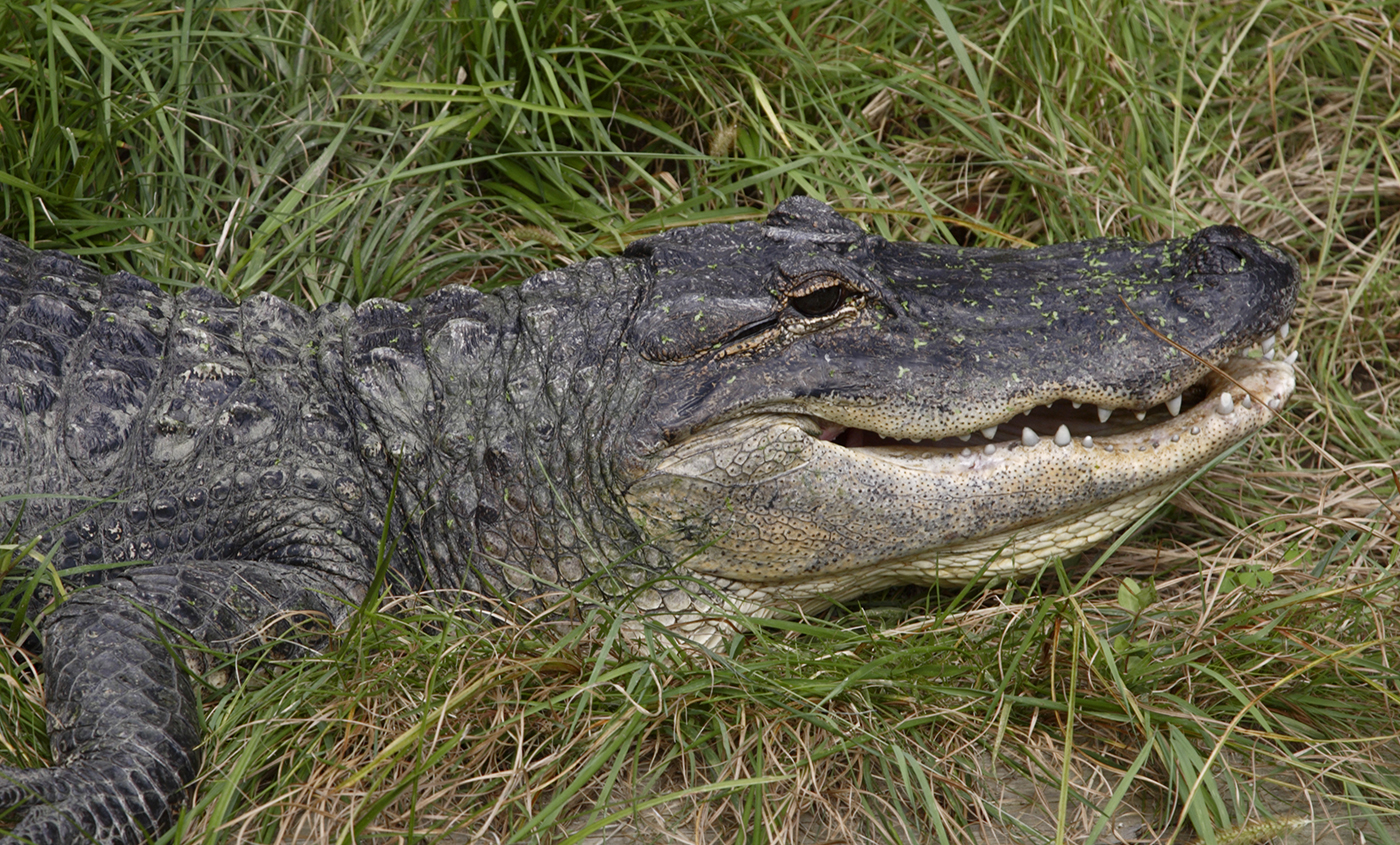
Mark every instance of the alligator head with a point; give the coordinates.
(833, 412)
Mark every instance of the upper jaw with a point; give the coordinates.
(946, 341)
(1055, 414)
(1107, 334)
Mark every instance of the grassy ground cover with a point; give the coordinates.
(1230, 673)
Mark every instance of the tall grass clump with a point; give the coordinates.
(1228, 673)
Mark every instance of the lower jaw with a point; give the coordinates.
(1006, 556)
(1001, 510)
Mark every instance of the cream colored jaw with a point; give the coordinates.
(1149, 463)
(787, 519)
(849, 520)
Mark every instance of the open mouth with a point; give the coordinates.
(1253, 378)
(809, 505)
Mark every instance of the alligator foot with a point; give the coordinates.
(124, 720)
(119, 795)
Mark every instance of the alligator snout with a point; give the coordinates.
(1227, 250)
(1260, 282)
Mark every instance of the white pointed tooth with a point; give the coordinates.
(1283, 332)
(1029, 438)
(965, 437)
(1247, 401)
(1268, 344)
(1088, 442)
(1141, 415)
(1269, 356)
(966, 453)
(1077, 405)
(990, 432)
(1174, 405)
(990, 449)
(1227, 404)
(1292, 358)
(1104, 414)
(1195, 429)
(1062, 436)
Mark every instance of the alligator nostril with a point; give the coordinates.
(1223, 250)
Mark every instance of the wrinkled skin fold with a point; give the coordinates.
(763, 416)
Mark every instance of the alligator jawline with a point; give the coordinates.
(1058, 420)
(1118, 477)
(1043, 421)
(1124, 430)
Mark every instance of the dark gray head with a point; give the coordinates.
(830, 411)
(807, 310)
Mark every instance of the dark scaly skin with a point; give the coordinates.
(249, 452)
(197, 467)
(123, 714)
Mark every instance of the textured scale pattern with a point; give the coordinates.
(674, 429)
(206, 465)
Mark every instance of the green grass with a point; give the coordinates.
(344, 150)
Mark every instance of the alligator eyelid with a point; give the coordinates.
(752, 329)
(807, 323)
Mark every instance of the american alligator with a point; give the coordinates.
(744, 417)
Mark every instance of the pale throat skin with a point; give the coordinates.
(887, 444)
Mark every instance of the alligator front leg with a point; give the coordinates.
(124, 720)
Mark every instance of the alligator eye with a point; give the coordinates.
(819, 302)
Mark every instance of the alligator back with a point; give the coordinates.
(136, 425)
